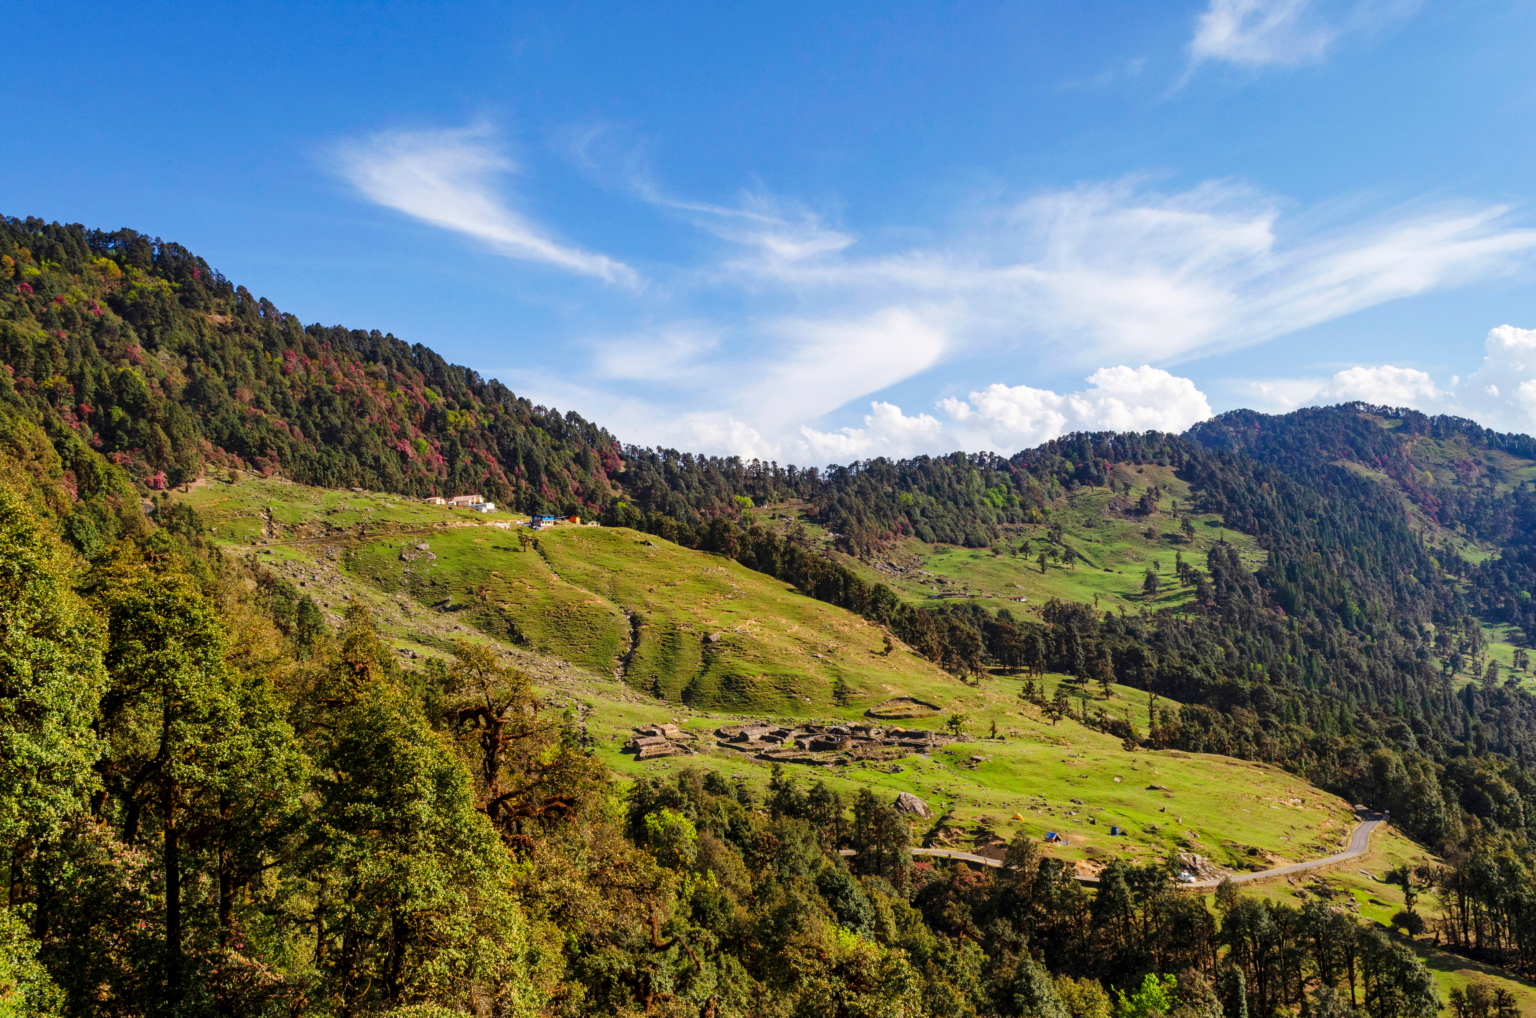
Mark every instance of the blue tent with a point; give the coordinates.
(1114, 832)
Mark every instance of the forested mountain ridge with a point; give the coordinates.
(165, 366)
(214, 805)
(1468, 486)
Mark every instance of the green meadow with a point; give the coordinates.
(1112, 551)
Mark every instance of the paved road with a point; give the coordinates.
(1359, 844)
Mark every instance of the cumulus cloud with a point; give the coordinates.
(1008, 418)
(1383, 386)
(1509, 360)
(1259, 33)
(1379, 385)
(886, 432)
(1500, 393)
(1117, 399)
(448, 179)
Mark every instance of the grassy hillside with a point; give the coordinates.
(684, 625)
(1116, 550)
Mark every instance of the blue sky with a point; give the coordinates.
(815, 232)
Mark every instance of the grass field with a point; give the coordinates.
(704, 630)
(1113, 552)
(573, 604)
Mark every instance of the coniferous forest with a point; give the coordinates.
(214, 802)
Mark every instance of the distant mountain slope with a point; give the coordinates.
(1468, 488)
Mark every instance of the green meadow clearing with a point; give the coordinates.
(1112, 553)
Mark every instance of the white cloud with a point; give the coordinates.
(1118, 399)
(1379, 385)
(762, 221)
(1006, 419)
(1259, 33)
(810, 367)
(447, 178)
(1284, 394)
(814, 318)
(1383, 386)
(886, 432)
(789, 371)
(1112, 271)
(1509, 357)
(670, 355)
(1500, 394)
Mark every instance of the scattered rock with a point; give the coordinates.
(421, 550)
(1157, 788)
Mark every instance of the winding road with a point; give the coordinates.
(1359, 844)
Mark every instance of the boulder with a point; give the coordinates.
(906, 802)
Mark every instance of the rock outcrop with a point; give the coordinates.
(906, 802)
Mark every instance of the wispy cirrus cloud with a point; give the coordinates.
(1114, 270)
(1261, 33)
(762, 222)
(448, 179)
